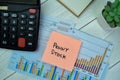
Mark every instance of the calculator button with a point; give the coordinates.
(4, 28)
(31, 22)
(13, 29)
(13, 43)
(5, 21)
(4, 42)
(23, 16)
(23, 22)
(21, 42)
(30, 35)
(30, 44)
(32, 11)
(22, 34)
(32, 16)
(5, 14)
(31, 29)
(13, 36)
(22, 28)
(14, 15)
(4, 35)
(13, 22)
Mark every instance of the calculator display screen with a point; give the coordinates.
(21, 1)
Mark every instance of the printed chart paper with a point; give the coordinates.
(91, 63)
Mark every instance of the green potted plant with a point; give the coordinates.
(111, 15)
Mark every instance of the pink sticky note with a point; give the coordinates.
(61, 51)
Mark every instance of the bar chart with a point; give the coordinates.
(93, 65)
(29, 67)
(45, 71)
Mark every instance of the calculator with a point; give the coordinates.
(19, 24)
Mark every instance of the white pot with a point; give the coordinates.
(102, 22)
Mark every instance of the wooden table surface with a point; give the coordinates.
(86, 22)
